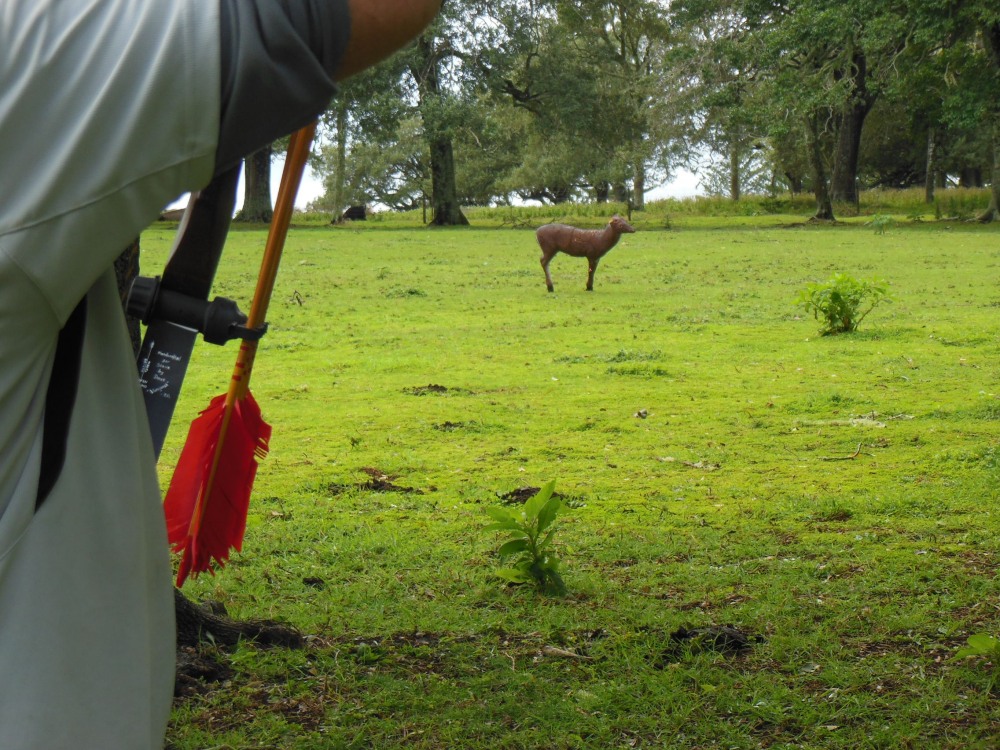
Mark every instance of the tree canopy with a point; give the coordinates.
(558, 100)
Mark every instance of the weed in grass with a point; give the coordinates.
(881, 222)
(843, 302)
(404, 292)
(528, 553)
(985, 646)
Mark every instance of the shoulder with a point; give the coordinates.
(113, 105)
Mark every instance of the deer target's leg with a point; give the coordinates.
(592, 267)
(546, 259)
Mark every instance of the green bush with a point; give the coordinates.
(842, 302)
(881, 222)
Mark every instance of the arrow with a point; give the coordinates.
(206, 504)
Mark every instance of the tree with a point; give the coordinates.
(991, 42)
(507, 100)
(257, 187)
(339, 191)
(366, 125)
(552, 92)
(803, 72)
(960, 41)
(858, 102)
(631, 39)
(396, 137)
(593, 76)
(877, 44)
(437, 113)
(728, 136)
(812, 63)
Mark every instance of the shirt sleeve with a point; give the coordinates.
(278, 59)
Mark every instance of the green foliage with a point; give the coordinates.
(981, 645)
(678, 213)
(527, 553)
(843, 302)
(960, 204)
(881, 222)
(985, 646)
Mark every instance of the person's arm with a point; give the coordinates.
(379, 28)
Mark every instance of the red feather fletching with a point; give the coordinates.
(206, 512)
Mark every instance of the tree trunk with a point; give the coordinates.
(257, 187)
(340, 169)
(197, 624)
(638, 189)
(824, 205)
(445, 208)
(931, 165)
(734, 170)
(991, 33)
(560, 194)
(844, 180)
(992, 212)
(602, 191)
(970, 177)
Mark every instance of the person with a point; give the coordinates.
(110, 109)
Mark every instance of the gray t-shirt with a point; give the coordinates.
(109, 109)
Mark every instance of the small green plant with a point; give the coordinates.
(981, 645)
(986, 646)
(881, 222)
(527, 554)
(843, 302)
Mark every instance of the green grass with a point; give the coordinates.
(834, 496)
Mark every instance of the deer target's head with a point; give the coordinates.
(620, 225)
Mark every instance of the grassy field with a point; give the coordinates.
(831, 500)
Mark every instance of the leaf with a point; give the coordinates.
(534, 505)
(980, 645)
(548, 514)
(985, 642)
(513, 547)
(512, 526)
(546, 541)
(515, 575)
(499, 514)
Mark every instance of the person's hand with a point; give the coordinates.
(380, 27)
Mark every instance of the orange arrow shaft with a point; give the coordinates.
(239, 383)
